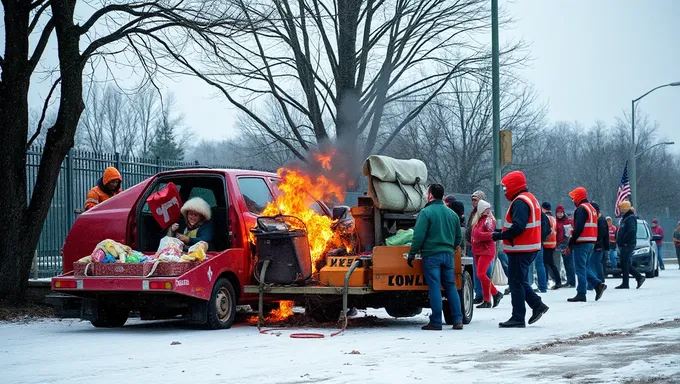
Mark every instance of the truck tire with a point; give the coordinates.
(323, 311)
(466, 297)
(222, 305)
(466, 305)
(110, 316)
(403, 310)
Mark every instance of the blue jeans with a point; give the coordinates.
(597, 266)
(503, 257)
(660, 256)
(478, 284)
(540, 272)
(582, 254)
(520, 290)
(612, 258)
(568, 260)
(438, 271)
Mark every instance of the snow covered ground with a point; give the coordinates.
(624, 348)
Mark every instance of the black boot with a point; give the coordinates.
(485, 304)
(497, 299)
(580, 297)
(512, 323)
(538, 312)
(640, 281)
(622, 287)
(599, 290)
(507, 291)
(478, 300)
(556, 287)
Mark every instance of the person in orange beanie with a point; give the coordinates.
(582, 244)
(108, 186)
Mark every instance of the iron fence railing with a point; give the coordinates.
(80, 172)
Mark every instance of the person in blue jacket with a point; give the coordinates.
(195, 225)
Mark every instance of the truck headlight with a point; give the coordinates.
(642, 251)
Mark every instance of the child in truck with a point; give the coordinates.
(195, 224)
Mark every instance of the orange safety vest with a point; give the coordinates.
(612, 234)
(589, 234)
(551, 241)
(530, 239)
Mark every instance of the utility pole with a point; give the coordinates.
(495, 87)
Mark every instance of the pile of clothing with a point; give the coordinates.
(170, 250)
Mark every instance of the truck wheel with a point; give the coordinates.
(222, 305)
(397, 310)
(109, 316)
(466, 293)
(323, 311)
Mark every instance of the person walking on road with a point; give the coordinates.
(436, 236)
(676, 242)
(626, 239)
(562, 240)
(612, 242)
(476, 197)
(484, 249)
(657, 230)
(549, 246)
(582, 243)
(521, 236)
(597, 261)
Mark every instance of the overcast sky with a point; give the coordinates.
(590, 58)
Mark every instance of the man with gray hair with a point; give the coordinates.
(479, 297)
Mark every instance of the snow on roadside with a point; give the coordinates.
(53, 351)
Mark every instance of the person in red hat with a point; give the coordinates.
(562, 240)
(582, 244)
(521, 236)
(657, 230)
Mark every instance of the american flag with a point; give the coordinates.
(624, 190)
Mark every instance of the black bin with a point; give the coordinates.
(283, 241)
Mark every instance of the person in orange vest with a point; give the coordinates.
(108, 186)
(549, 246)
(582, 244)
(521, 236)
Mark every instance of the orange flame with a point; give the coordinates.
(298, 193)
(285, 310)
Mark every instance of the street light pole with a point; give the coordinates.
(496, 113)
(633, 156)
(654, 146)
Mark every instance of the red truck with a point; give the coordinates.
(206, 294)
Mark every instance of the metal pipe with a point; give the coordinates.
(346, 286)
(495, 89)
(260, 314)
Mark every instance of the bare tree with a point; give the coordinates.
(334, 67)
(149, 33)
(145, 104)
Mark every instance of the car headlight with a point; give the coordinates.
(642, 251)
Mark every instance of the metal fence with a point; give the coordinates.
(79, 173)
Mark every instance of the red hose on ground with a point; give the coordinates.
(307, 335)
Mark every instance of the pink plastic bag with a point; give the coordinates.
(98, 255)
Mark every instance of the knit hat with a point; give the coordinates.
(578, 195)
(546, 206)
(625, 205)
(480, 195)
(482, 206)
(655, 221)
(514, 183)
(560, 208)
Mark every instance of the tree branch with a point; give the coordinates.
(42, 44)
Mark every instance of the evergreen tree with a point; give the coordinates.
(166, 145)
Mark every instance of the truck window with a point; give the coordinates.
(255, 193)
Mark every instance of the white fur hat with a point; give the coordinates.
(198, 205)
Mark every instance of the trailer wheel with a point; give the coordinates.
(110, 316)
(323, 311)
(222, 305)
(466, 293)
(403, 310)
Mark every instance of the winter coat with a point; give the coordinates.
(602, 243)
(482, 243)
(545, 227)
(202, 232)
(99, 194)
(560, 228)
(437, 230)
(676, 238)
(627, 235)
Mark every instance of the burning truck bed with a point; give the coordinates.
(329, 264)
